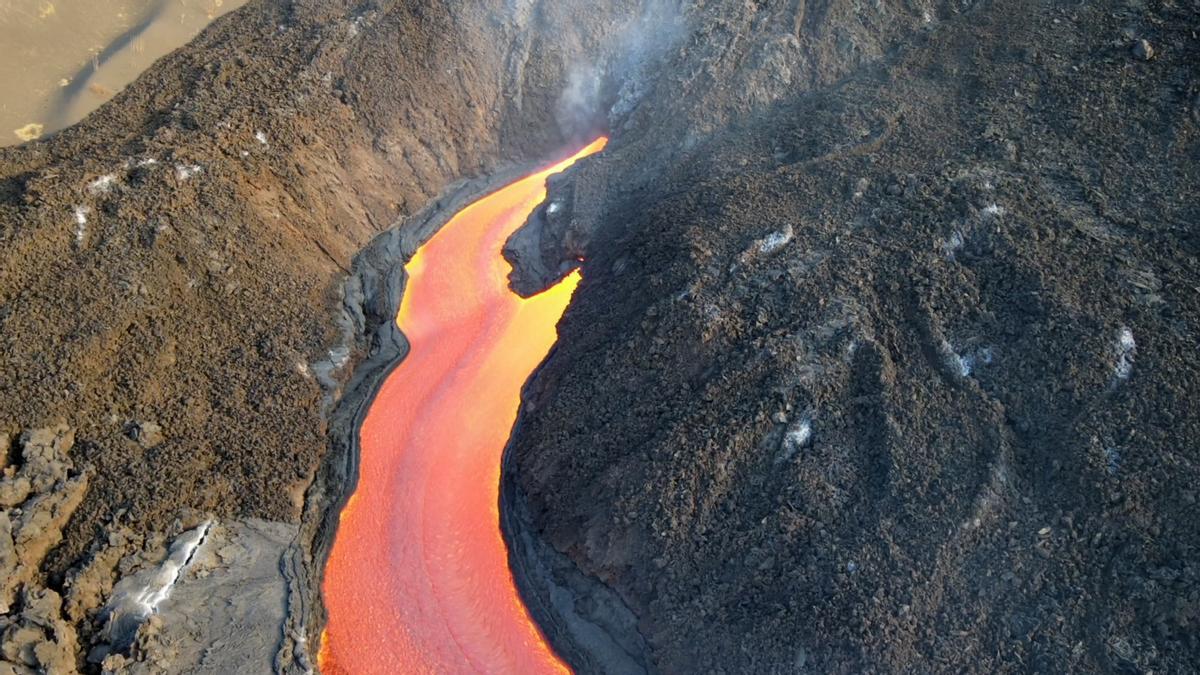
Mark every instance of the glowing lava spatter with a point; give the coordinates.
(418, 578)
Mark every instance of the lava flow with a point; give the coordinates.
(418, 578)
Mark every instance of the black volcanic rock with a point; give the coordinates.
(981, 332)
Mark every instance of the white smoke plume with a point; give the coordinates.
(580, 99)
(612, 87)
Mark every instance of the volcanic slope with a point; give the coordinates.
(895, 372)
(172, 268)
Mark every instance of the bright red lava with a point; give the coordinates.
(418, 578)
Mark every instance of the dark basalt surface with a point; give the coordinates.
(896, 372)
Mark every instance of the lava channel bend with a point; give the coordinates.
(418, 578)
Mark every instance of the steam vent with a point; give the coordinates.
(646, 337)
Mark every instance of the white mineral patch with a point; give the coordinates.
(138, 596)
(954, 244)
(186, 171)
(339, 356)
(994, 210)
(261, 137)
(964, 364)
(776, 240)
(102, 184)
(957, 363)
(851, 348)
(554, 207)
(81, 220)
(158, 588)
(1126, 349)
(796, 438)
(149, 161)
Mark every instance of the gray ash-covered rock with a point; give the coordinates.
(895, 371)
(215, 602)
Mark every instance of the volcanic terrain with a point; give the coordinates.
(883, 356)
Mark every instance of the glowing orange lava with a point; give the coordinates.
(418, 579)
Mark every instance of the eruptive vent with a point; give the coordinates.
(418, 578)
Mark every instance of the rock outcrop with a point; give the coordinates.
(38, 495)
(38, 639)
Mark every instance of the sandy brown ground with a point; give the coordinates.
(62, 59)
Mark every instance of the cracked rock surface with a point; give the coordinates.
(38, 495)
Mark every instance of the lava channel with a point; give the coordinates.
(418, 579)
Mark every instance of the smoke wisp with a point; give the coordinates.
(608, 90)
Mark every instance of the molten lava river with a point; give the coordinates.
(418, 578)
